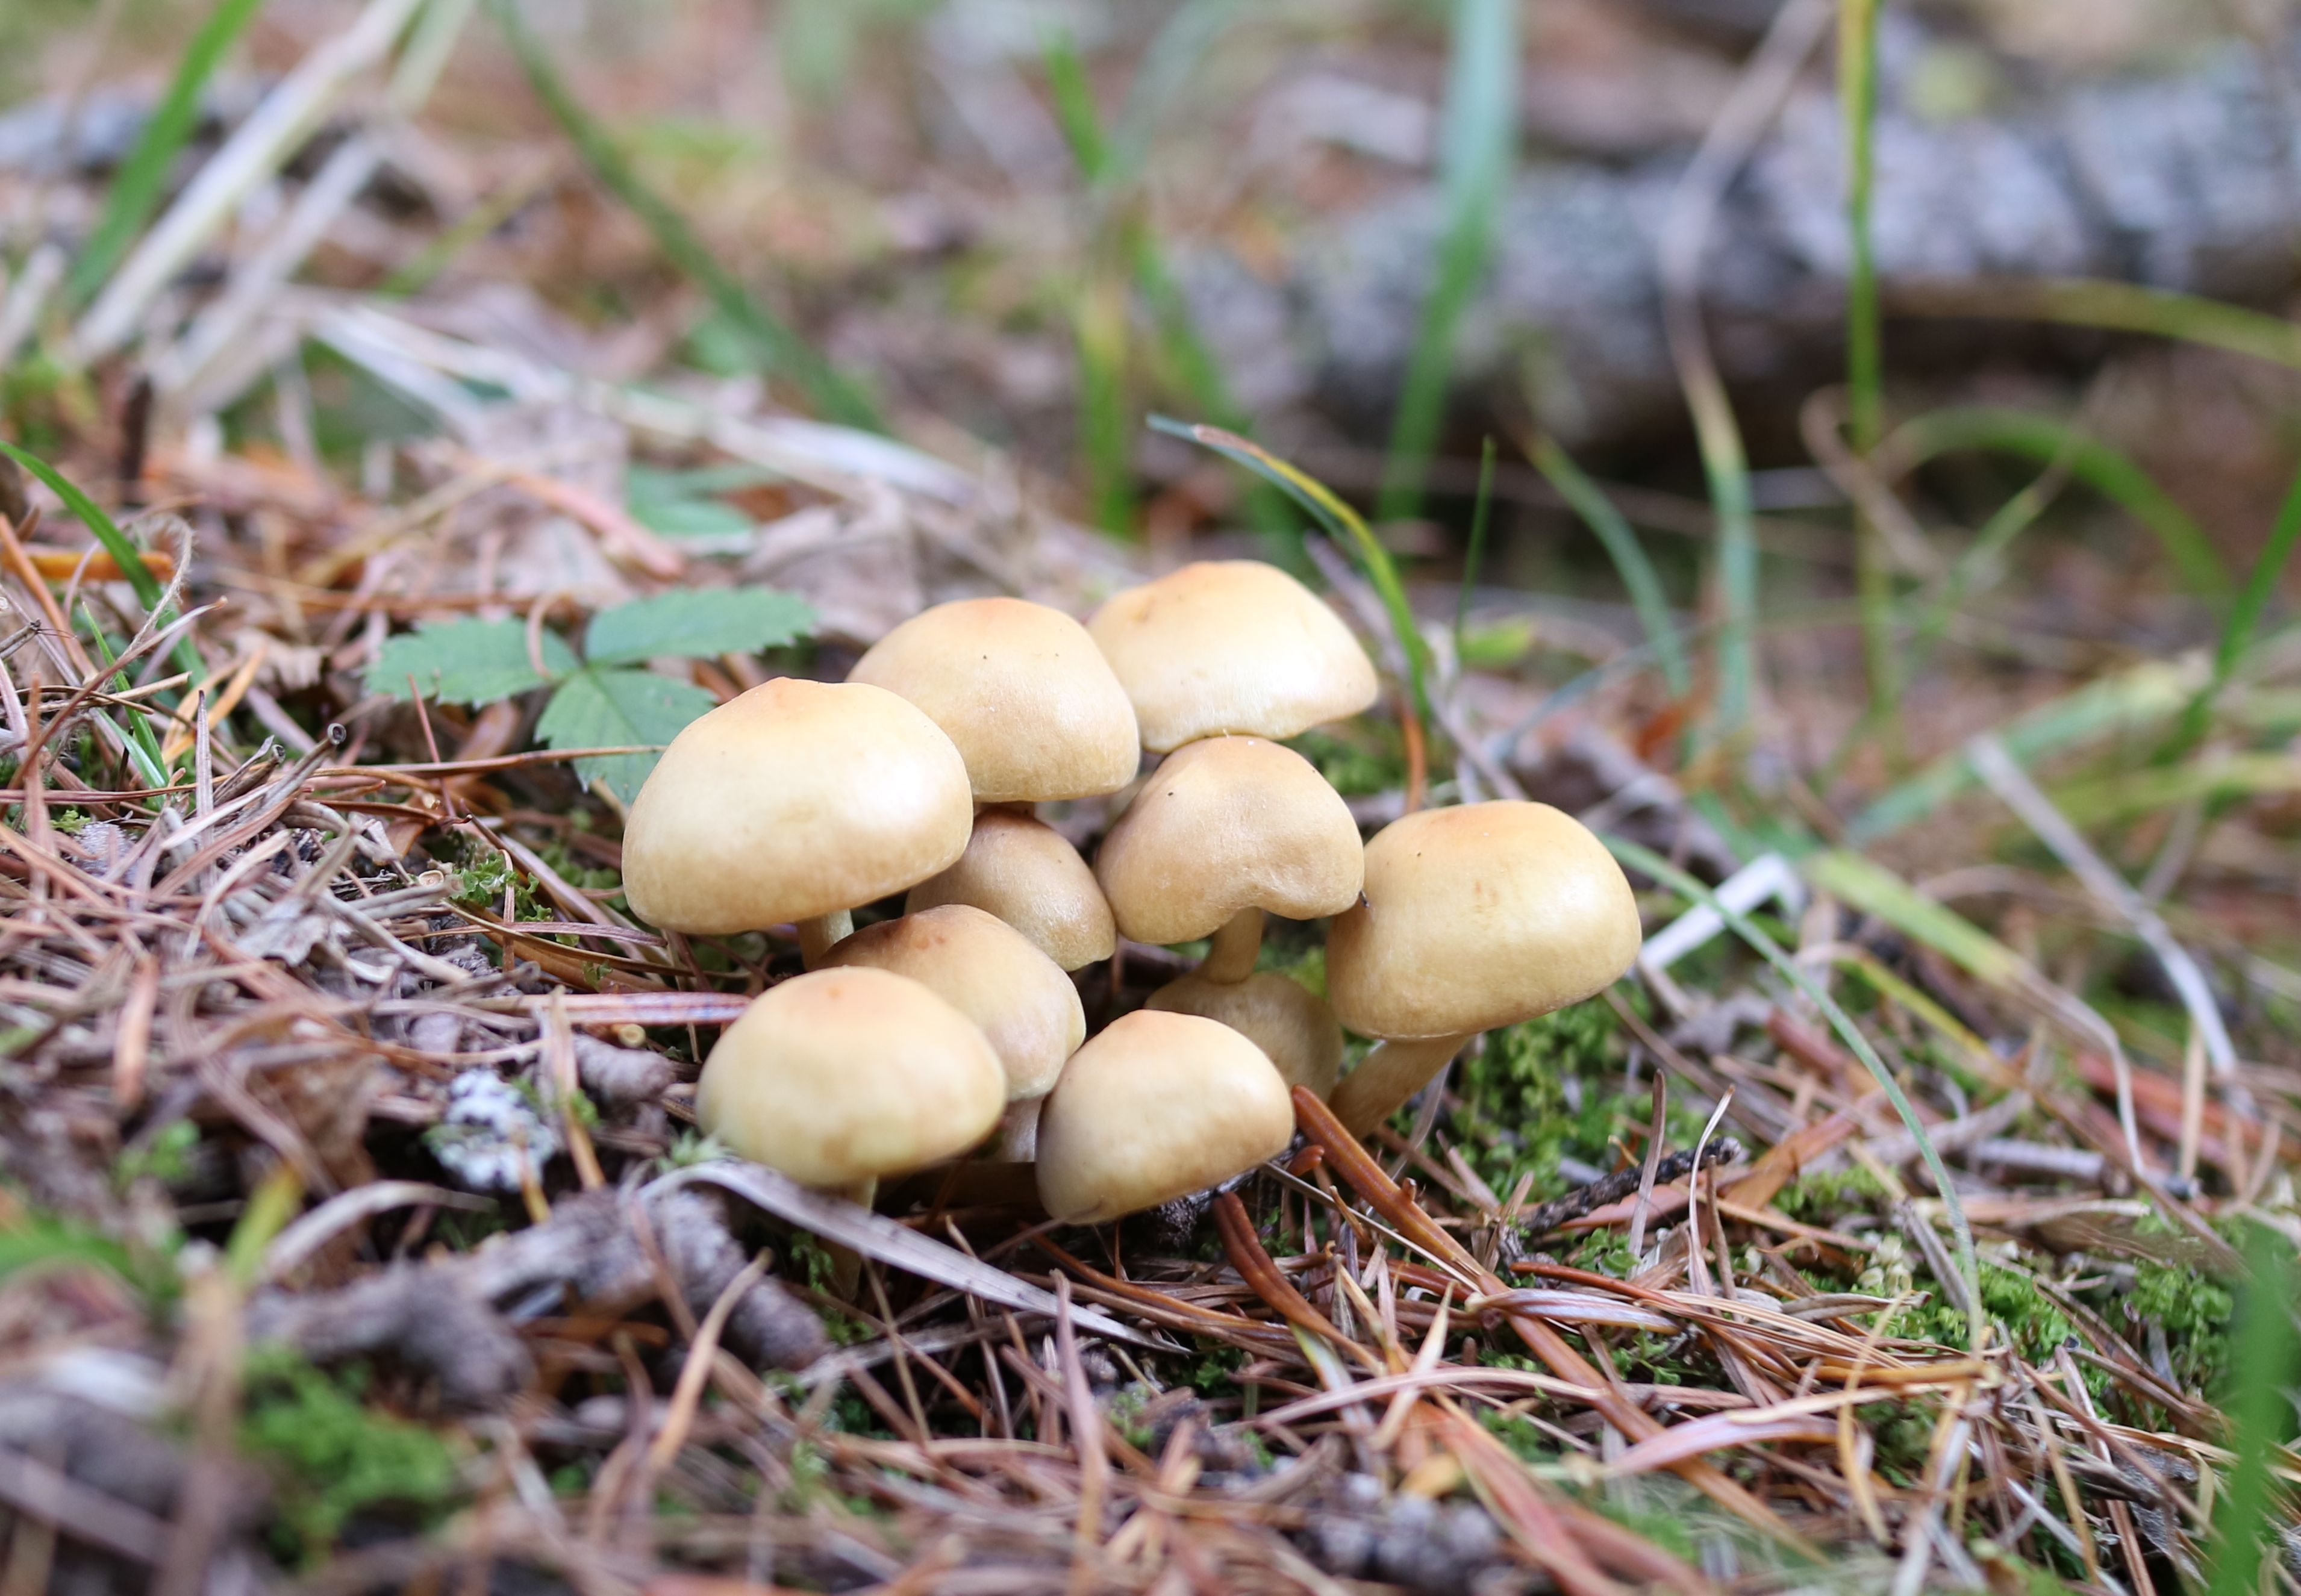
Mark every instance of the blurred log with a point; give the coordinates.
(2189, 181)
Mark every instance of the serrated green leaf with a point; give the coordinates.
(615, 710)
(691, 518)
(467, 661)
(698, 624)
(683, 504)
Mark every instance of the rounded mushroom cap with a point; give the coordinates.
(1479, 916)
(1156, 1105)
(1294, 1029)
(1026, 874)
(1024, 1005)
(1226, 824)
(1021, 688)
(792, 800)
(1230, 645)
(844, 1075)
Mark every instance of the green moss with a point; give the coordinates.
(1359, 761)
(1519, 1098)
(2195, 1312)
(1824, 1198)
(330, 1456)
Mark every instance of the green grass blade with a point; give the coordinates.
(1479, 139)
(1857, 87)
(1074, 107)
(2262, 1359)
(785, 352)
(2118, 306)
(1589, 501)
(2244, 620)
(143, 745)
(1173, 58)
(2149, 692)
(1342, 524)
(1652, 865)
(115, 542)
(1475, 557)
(2099, 467)
(136, 189)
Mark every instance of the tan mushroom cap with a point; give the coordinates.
(1026, 874)
(984, 968)
(1223, 825)
(1478, 917)
(845, 1075)
(1156, 1105)
(1231, 646)
(1296, 1032)
(795, 799)
(1021, 688)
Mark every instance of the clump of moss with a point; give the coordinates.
(331, 1456)
(2194, 1310)
(1367, 759)
(1549, 1088)
(1825, 1197)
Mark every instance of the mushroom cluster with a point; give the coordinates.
(907, 1042)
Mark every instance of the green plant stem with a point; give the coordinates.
(2244, 620)
(2263, 1357)
(1475, 557)
(1480, 138)
(783, 349)
(2049, 441)
(1613, 530)
(1857, 87)
(143, 177)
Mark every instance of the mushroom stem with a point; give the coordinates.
(817, 936)
(1231, 956)
(1018, 1132)
(845, 1263)
(1389, 1075)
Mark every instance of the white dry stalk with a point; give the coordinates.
(263, 144)
(255, 285)
(28, 297)
(323, 199)
(2006, 779)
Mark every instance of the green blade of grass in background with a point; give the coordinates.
(1479, 139)
(1342, 524)
(1857, 91)
(2099, 467)
(1654, 866)
(136, 188)
(2244, 620)
(1475, 556)
(785, 351)
(2115, 307)
(1099, 307)
(1589, 501)
(2262, 1362)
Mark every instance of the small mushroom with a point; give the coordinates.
(794, 802)
(1231, 646)
(1224, 831)
(1288, 1021)
(987, 970)
(1021, 690)
(1025, 871)
(1473, 917)
(840, 1077)
(1155, 1107)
